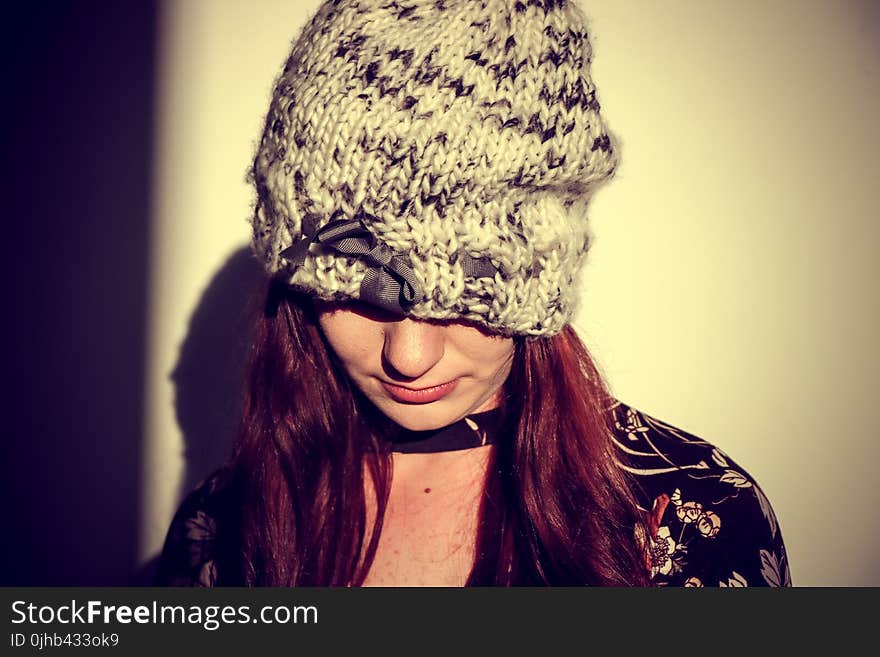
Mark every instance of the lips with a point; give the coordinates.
(421, 395)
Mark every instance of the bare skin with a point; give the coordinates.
(429, 530)
(377, 347)
(430, 527)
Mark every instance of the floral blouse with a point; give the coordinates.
(710, 524)
(708, 521)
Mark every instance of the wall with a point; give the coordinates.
(729, 290)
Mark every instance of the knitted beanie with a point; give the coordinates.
(434, 158)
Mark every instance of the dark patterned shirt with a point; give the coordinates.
(708, 521)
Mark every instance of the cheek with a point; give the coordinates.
(491, 354)
(353, 341)
(504, 359)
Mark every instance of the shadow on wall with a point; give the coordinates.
(208, 375)
(209, 372)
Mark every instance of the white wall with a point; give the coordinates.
(730, 287)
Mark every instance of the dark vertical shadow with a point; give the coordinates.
(78, 85)
(208, 374)
(209, 371)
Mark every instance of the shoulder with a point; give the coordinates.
(199, 535)
(709, 522)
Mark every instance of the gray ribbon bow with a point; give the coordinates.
(389, 282)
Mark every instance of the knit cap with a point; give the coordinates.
(435, 158)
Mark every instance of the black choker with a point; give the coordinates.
(474, 430)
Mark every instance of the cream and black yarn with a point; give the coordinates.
(450, 145)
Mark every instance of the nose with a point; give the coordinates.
(412, 347)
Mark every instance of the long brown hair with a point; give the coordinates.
(556, 510)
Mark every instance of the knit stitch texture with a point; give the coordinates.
(453, 131)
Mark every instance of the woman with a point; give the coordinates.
(419, 410)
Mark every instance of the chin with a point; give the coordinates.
(421, 417)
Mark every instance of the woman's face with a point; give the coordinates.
(423, 374)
